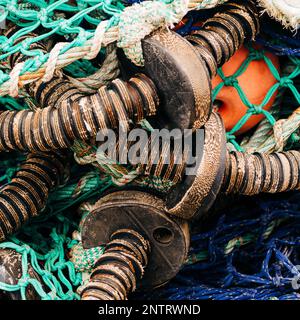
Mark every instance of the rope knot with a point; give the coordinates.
(25, 44)
(276, 281)
(81, 5)
(24, 281)
(230, 81)
(230, 136)
(254, 110)
(64, 24)
(25, 249)
(43, 15)
(59, 265)
(257, 55)
(285, 82)
(11, 8)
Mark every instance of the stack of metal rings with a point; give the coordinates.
(155, 157)
(223, 34)
(26, 195)
(57, 127)
(117, 270)
(164, 164)
(251, 174)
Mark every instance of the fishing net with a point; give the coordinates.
(247, 252)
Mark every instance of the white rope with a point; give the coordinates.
(97, 40)
(278, 134)
(50, 65)
(136, 22)
(14, 79)
(285, 11)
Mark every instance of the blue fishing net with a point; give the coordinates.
(249, 250)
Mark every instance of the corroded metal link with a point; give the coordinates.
(119, 268)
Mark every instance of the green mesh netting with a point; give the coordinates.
(47, 241)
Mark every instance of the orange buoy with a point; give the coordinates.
(255, 82)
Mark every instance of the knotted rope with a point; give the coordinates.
(127, 28)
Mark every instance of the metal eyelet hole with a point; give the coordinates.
(163, 235)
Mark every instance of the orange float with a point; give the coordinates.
(255, 82)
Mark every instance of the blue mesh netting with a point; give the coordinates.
(246, 251)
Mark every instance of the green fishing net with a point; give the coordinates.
(46, 242)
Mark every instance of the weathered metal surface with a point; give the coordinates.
(11, 272)
(181, 77)
(145, 214)
(195, 194)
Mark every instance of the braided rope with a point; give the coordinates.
(17, 79)
(84, 259)
(108, 71)
(135, 23)
(146, 17)
(282, 130)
